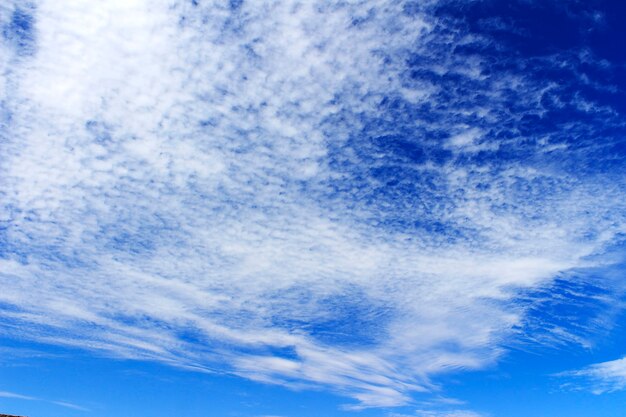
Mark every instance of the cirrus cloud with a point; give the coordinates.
(309, 194)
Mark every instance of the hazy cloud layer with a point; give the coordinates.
(348, 195)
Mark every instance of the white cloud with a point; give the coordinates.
(70, 405)
(598, 378)
(13, 395)
(7, 394)
(184, 184)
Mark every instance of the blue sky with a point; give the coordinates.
(337, 208)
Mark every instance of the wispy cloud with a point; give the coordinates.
(13, 395)
(70, 405)
(598, 378)
(316, 194)
(7, 394)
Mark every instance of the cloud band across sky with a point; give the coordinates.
(348, 195)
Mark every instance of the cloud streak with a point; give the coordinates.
(318, 194)
(13, 395)
(7, 394)
(598, 378)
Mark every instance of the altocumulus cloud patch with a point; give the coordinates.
(349, 195)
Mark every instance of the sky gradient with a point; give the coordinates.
(318, 208)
